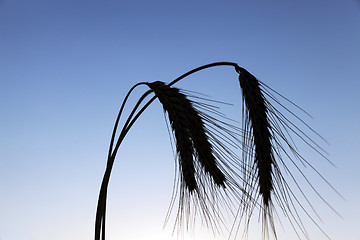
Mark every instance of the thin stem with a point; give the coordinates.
(119, 115)
(101, 208)
(237, 69)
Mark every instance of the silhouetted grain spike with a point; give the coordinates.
(190, 134)
(256, 114)
(175, 104)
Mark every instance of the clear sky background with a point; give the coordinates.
(66, 65)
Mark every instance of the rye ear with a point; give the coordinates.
(190, 135)
(257, 125)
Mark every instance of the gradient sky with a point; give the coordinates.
(65, 67)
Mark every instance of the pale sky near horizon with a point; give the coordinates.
(65, 67)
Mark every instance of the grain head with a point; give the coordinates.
(190, 135)
(270, 131)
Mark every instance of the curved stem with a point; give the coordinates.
(237, 69)
(119, 115)
(101, 208)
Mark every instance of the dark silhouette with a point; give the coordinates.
(211, 174)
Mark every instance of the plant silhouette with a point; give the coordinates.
(214, 177)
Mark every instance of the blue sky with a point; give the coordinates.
(65, 67)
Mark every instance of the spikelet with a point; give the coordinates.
(258, 126)
(269, 150)
(178, 109)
